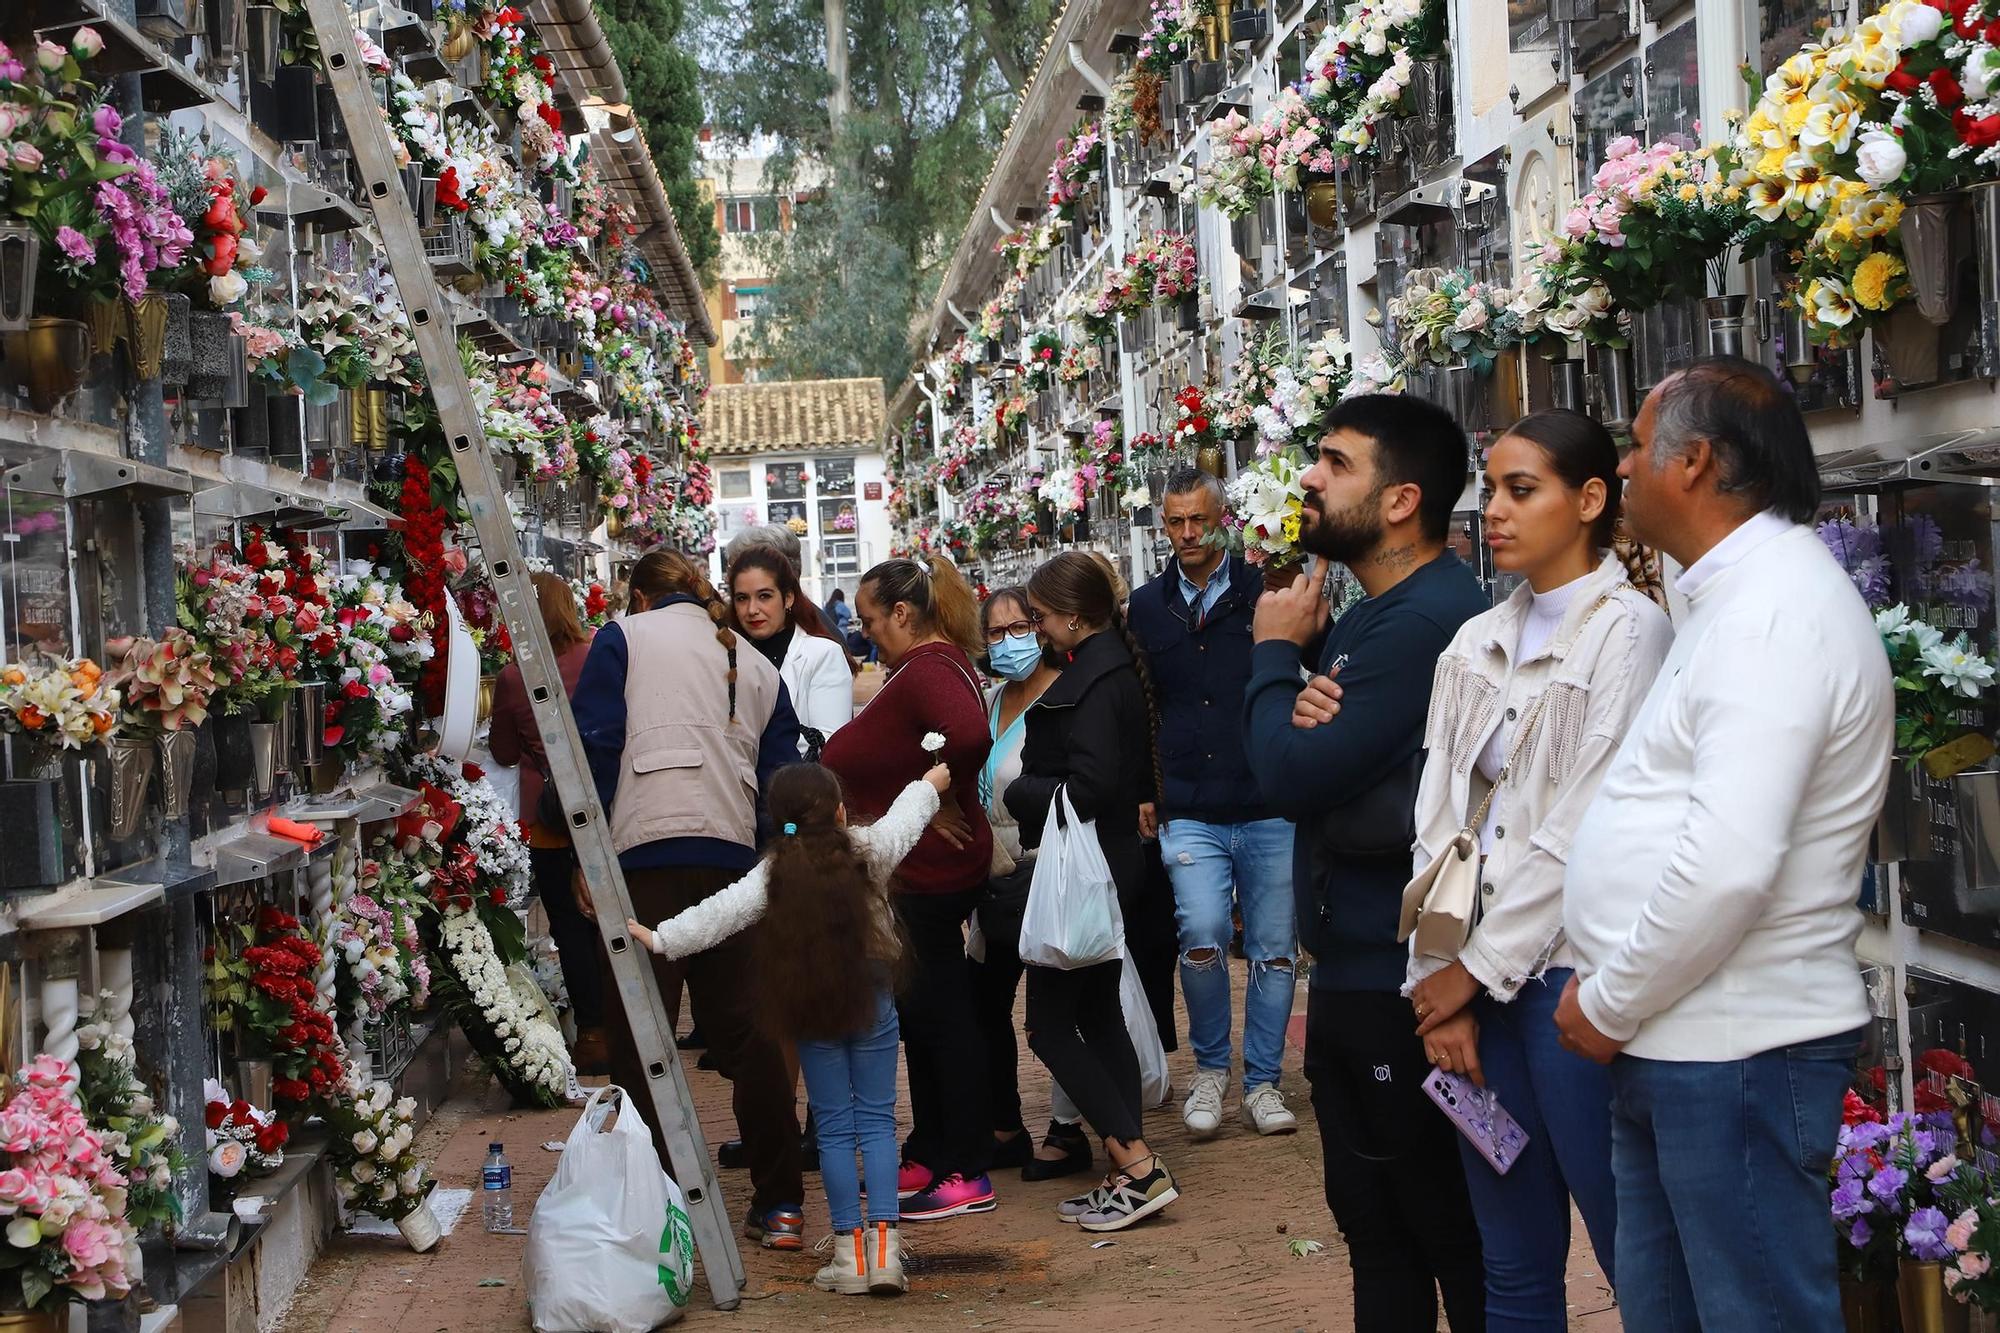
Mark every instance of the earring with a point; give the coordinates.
(1072, 624)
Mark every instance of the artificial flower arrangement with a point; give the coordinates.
(384, 643)
(220, 602)
(1445, 317)
(1160, 267)
(141, 1141)
(1362, 65)
(165, 683)
(1079, 160)
(1267, 498)
(59, 703)
(64, 1194)
(105, 221)
(1251, 377)
(1045, 352)
(1146, 453)
(262, 988)
(1077, 362)
(993, 315)
(1252, 160)
(1029, 247)
(1172, 29)
(374, 1170)
(1299, 389)
(995, 510)
(241, 1137)
(593, 604)
(378, 948)
(205, 191)
(1887, 1185)
(1934, 678)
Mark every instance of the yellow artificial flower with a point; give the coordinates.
(1767, 199)
(1772, 164)
(1831, 124)
(1794, 76)
(1872, 213)
(1796, 114)
(1688, 193)
(1732, 194)
(1827, 303)
(1291, 528)
(1806, 183)
(1874, 278)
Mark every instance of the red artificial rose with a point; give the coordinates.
(472, 772)
(550, 116)
(1902, 82)
(217, 1112)
(1965, 17)
(356, 690)
(291, 1090)
(542, 63)
(271, 1137)
(258, 195)
(1949, 94)
(1981, 133)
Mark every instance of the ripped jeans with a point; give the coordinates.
(1248, 866)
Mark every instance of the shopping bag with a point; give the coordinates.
(610, 1248)
(1154, 1086)
(1072, 915)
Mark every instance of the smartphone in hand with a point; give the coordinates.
(1480, 1117)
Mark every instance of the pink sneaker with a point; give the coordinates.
(913, 1178)
(950, 1197)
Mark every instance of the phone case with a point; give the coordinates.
(1480, 1117)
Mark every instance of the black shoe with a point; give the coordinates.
(706, 1060)
(1074, 1161)
(1016, 1152)
(693, 1041)
(730, 1155)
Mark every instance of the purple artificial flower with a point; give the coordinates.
(80, 248)
(1860, 1233)
(1926, 538)
(1887, 1187)
(1925, 1235)
(1850, 1198)
(106, 121)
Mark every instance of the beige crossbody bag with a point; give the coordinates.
(1440, 904)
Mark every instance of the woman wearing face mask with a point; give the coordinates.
(769, 609)
(1016, 655)
(1529, 705)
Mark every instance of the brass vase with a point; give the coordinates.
(131, 763)
(146, 335)
(1926, 1306)
(48, 357)
(1323, 202)
(34, 1321)
(457, 44)
(1209, 459)
(1867, 1307)
(107, 324)
(485, 704)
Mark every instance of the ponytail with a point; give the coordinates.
(937, 594)
(664, 573)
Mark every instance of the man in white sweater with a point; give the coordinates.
(1710, 891)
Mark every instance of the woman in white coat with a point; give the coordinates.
(782, 623)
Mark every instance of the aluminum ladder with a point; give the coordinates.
(665, 1089)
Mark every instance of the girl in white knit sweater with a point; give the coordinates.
(827, 957)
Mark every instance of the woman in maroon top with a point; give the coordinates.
(515, 739)
(924, 622)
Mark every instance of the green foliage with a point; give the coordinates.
(662, 81)
(931, 90)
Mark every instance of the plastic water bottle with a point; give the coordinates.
(496, 1189)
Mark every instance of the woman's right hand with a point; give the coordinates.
(939, 777)
(1453, 1046)
(951, 824)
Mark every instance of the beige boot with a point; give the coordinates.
(847, 1267)
(885, 1260)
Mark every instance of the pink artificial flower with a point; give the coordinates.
(80, 248)
(27, 157)
(49, 57)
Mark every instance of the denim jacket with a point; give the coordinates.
(1596, 674)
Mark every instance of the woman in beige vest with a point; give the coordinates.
(684, 732)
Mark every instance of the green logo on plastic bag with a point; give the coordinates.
(677, 1247)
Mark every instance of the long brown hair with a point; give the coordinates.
(559, 617)
(663, 573)
(804, 614)
(939, 597)
(1080, 585)
(824, 925)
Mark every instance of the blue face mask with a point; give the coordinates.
(1015, 656)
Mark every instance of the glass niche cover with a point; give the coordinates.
(1928, 550)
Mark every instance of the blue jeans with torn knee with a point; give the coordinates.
(1248, 866)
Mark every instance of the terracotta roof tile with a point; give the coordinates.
(796, 414)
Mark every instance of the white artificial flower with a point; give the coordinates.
(1958, 668)
(1879, 158)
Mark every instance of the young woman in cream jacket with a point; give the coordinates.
(1570, 657)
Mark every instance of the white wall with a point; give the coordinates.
(872, 537)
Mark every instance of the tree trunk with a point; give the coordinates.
(837, 103)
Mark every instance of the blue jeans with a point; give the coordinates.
(1722, 1189)
(1563, 1101)
(851, 1086)
(1214, 867)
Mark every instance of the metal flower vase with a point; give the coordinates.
(235, 764)
(208, 355)
(20, 252)
(1722, 318)
(265, 28)
(309, 722)
(47, 358)
(1928, 227)
(253, 1081)
(1614, 388)
(146, 335)
(177, 346)
(263, 758)
(1566, 384)
(130, 761)
(177, 754)
(1926, 1306)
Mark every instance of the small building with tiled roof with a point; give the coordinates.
(808, 454)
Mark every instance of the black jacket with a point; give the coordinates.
(1199, 677)
(1089, 732)
(1350, 784)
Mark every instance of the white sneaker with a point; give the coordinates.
(1264, 1110)
(1202, 1111)
(846, 1268)
(885, 1260)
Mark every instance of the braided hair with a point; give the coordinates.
(664, 573)
(1085, 586)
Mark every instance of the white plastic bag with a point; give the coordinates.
(1154, 1085)
(610, 1249)
(1072, 916)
